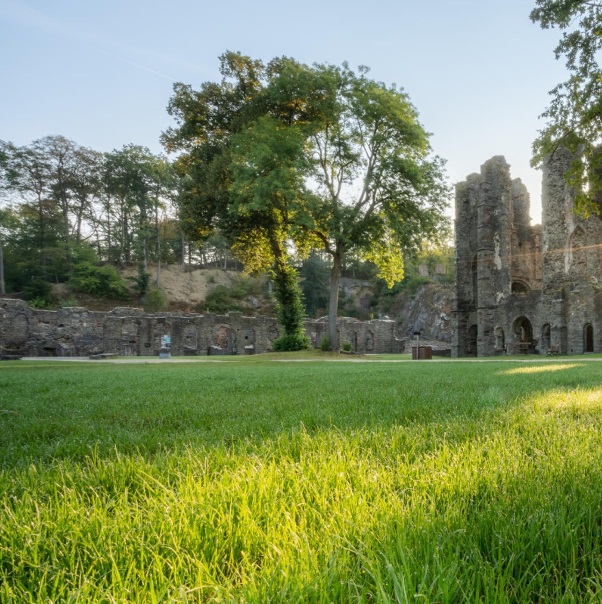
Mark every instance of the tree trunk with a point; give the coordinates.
(333, 305)
(158, 251)
(2, 288)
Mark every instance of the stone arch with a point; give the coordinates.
(522, 330)
(520, 287)
(578, 251)
(588, 338)
(471, 341)
(546, 338)
(223, 339)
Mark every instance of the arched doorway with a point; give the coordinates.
(471, 341)
(588, 338)
(522, 331)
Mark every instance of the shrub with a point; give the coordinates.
(346, 347)
(141, 281)
(38, 293)
(103, 281)
(325, 344)
(291, 343)
(155, 300)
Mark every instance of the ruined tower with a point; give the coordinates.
(523, 288)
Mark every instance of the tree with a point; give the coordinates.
(380, 191)
(242, 175)
(574, 117)
(287, 156)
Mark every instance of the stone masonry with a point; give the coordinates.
(522, 288)
(131, 332)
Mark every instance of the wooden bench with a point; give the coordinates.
(522, 347)
(554, 350)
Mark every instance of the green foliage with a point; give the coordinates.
(573, 116)
(224, 298)
(103, 281)
(321, 156)
(325, 345)
(141, 281)
(289, 308)
(155, 300)
(315, 277)
(346, 347)
(39, 293)
(291, 343)
(324, 482)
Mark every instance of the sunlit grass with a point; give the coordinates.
(539, 368)
(301, 482)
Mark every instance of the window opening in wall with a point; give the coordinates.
(471, 341)
(519, 287)
(588, 338)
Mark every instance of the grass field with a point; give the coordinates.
(263, 481)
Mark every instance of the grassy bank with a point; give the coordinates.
(301, 482)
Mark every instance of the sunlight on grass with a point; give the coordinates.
(579, 399)
(295, 482)
(541, 368)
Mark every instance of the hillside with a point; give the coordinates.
(425, 307)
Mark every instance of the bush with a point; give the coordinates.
(155, 300)
(325, 344)
(103, 281)
(347, 347)
(141, 282)
(291, 343)
(38, 294)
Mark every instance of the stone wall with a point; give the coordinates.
(71, 332)
(523, 288)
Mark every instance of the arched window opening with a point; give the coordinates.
(520, 287)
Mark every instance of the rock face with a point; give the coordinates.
(429, 311)
(522, 288)
(131, 332)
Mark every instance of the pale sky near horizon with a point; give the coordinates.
(101, 73)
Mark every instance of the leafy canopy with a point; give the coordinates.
(574, 117)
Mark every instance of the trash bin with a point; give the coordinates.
(422, 353)
(425, 352)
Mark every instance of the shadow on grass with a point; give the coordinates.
(65, 411)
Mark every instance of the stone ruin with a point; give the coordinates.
(523, 288)
(72, 332)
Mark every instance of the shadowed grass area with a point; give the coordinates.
(301, 482)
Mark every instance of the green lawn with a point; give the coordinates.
(317, 481)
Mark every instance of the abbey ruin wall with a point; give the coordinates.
(76, 332)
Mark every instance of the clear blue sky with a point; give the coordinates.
(101, 72)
